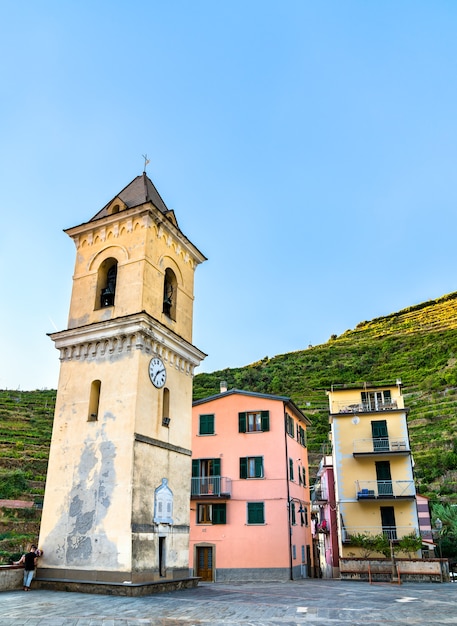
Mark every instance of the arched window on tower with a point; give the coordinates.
(169, 294)
(94, 400)
(107, 275)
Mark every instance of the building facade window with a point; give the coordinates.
(206, 477)
(251, 467)
(376, 400)
(212, 513)
(289, 425)
(291, 469)
(301, 435)
(293, 519)
(255, 513)
(253, 421)
(206, 424)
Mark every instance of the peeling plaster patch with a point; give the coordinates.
(84, 522)
(90, 499)
(78, 549)
(75, 506)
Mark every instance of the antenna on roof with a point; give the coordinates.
(146, 161)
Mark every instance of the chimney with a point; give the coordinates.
(223, 386)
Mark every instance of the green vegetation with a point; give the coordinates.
(446, 537)
(417, 344)
(25, 429)
(380, 544)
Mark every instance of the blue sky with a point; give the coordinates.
(309, 150)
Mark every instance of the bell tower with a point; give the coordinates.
(116, 505)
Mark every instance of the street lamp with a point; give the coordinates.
(439, 527)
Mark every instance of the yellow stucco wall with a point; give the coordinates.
(355, 463)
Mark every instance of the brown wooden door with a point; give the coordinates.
(205, 563)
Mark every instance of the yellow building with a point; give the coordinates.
(374, 486)
(116, 506)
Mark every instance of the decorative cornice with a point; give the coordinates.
(145, 216)
(120, 336)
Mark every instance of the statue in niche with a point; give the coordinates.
(163, 504)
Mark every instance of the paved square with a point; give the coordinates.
(300, 603)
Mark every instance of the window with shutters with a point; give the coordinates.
(255, 513)
(254, 421)
(211, 513)
(206, 425)
(291, 469)
(293, 518)
(206, 477)
(251, 467)
(301, 436)
(289, 425)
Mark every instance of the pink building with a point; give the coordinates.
(324, 522)
(250, 506)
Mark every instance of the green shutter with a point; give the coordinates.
(243, 467)
(265, 416)
(241, 422)
(195, 468)
(216, 467)
(291, 469)
(256, 513)
(219, 514)
(206, 424)
(258, 462)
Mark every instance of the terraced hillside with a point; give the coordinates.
(25, 435)
(417, 344)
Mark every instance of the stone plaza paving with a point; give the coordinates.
(301, 603)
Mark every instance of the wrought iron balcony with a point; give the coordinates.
(381, 445)
(211, 487)
(384, 489)
(393, 533)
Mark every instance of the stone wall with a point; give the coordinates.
(11, 577)
(419, 570)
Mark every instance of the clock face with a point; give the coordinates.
(157, 372)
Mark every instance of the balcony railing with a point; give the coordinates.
(319, 494)
(393, 533)
(372, 489)
(363, 407)
(211, 486)
(379, 445)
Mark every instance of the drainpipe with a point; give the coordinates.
(289, 525)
